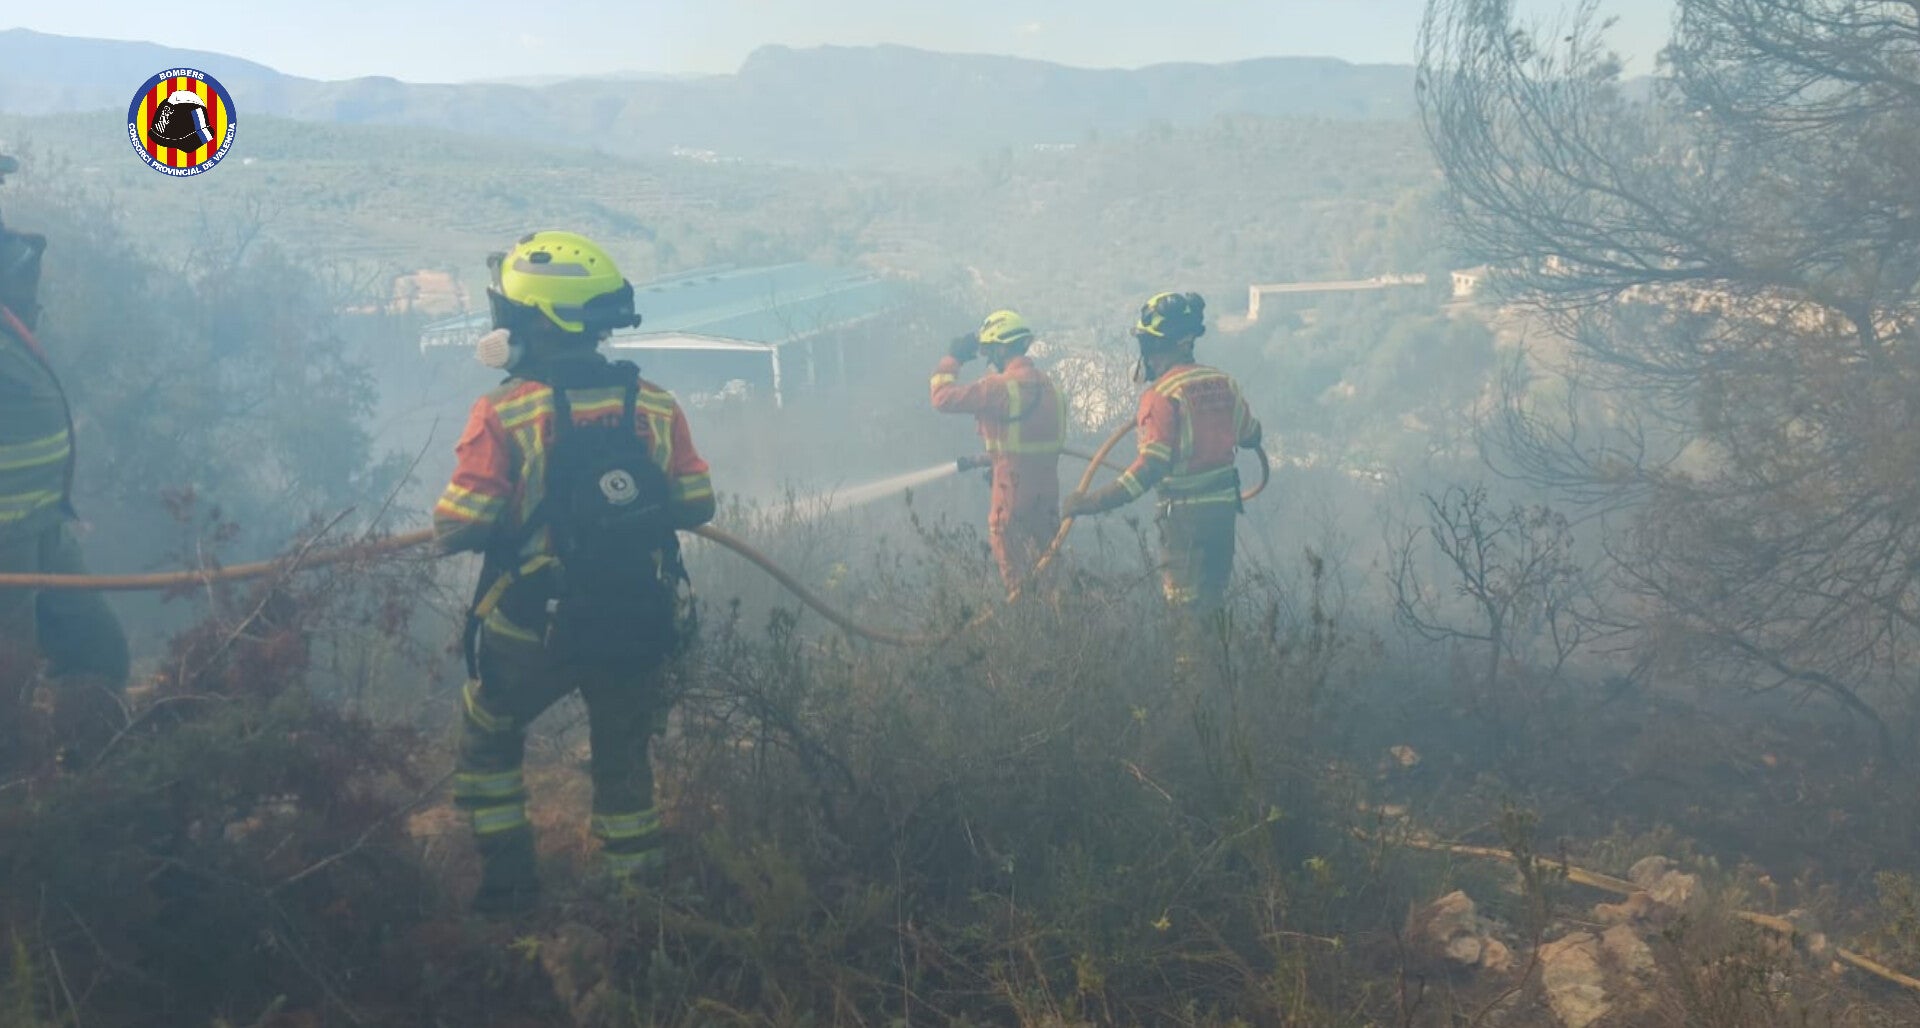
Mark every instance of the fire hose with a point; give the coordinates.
(1620, 887)
(1094, 460)
(303, 560)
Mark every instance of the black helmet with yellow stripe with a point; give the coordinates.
(1169, 320)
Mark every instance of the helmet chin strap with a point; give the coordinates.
(1152, 364)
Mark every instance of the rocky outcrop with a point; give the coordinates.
(1665, 885)
(1450, 933)
(1664, 892)
(1594, 978)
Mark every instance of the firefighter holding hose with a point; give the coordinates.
(1190, 421)
(73, 631)
(1017, 410)
(573, 478)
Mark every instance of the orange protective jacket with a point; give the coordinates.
(500, 475)
(1018, 414)
(1191, 420)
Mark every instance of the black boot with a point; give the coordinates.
(509, 876)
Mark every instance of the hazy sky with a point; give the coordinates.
(455, 40)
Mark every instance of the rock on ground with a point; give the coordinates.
(1664, 884)
(1590, 976)
(1450, 932)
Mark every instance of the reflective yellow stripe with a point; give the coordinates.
(1168, 387)
(692, 487)
(591, 409)
(487, 722)
(942, 378)
(24, 505)
(655, 401)
(1157, 451)
(1229, 496)
(499, 785)
(660, 429)
(519, 410)
(1199, 482)
(1015, 440)
(505, 818)
(611, 827)
(1131, 484)
(497, 624)
(464, 504)
(491, 598)
(523, 410)
(625, 864)
(37, 453)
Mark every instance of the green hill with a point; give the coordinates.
(1073, 232)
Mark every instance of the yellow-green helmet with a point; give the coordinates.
(563, 278)
(1171, 318)
(1005, 328)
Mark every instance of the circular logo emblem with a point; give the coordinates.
(618, 487)
(181, 122)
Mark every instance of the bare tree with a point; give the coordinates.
(1524, 595)
(1733, 253)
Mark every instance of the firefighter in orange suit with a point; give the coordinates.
(75, 632)
(573, 477)
(1191, 419)
(1018, 413)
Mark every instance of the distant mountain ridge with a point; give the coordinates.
(824, 104)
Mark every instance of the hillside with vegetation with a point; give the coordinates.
(1210, 206)
(1564, 681)
(1073, 236)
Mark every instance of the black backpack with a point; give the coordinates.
(614, 595)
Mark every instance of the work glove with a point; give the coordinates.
(964, 348)
(1077, 505)
(972, 461)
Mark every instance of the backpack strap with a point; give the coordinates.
(501, 565)
(628, 376)
(495, 580)
(562, 425)
(628, 402)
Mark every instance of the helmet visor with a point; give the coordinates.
(605, 312)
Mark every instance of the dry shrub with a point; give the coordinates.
(237, 845)
(1038, 821)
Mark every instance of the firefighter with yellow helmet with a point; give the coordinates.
(1017, 411)
(573, 477)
